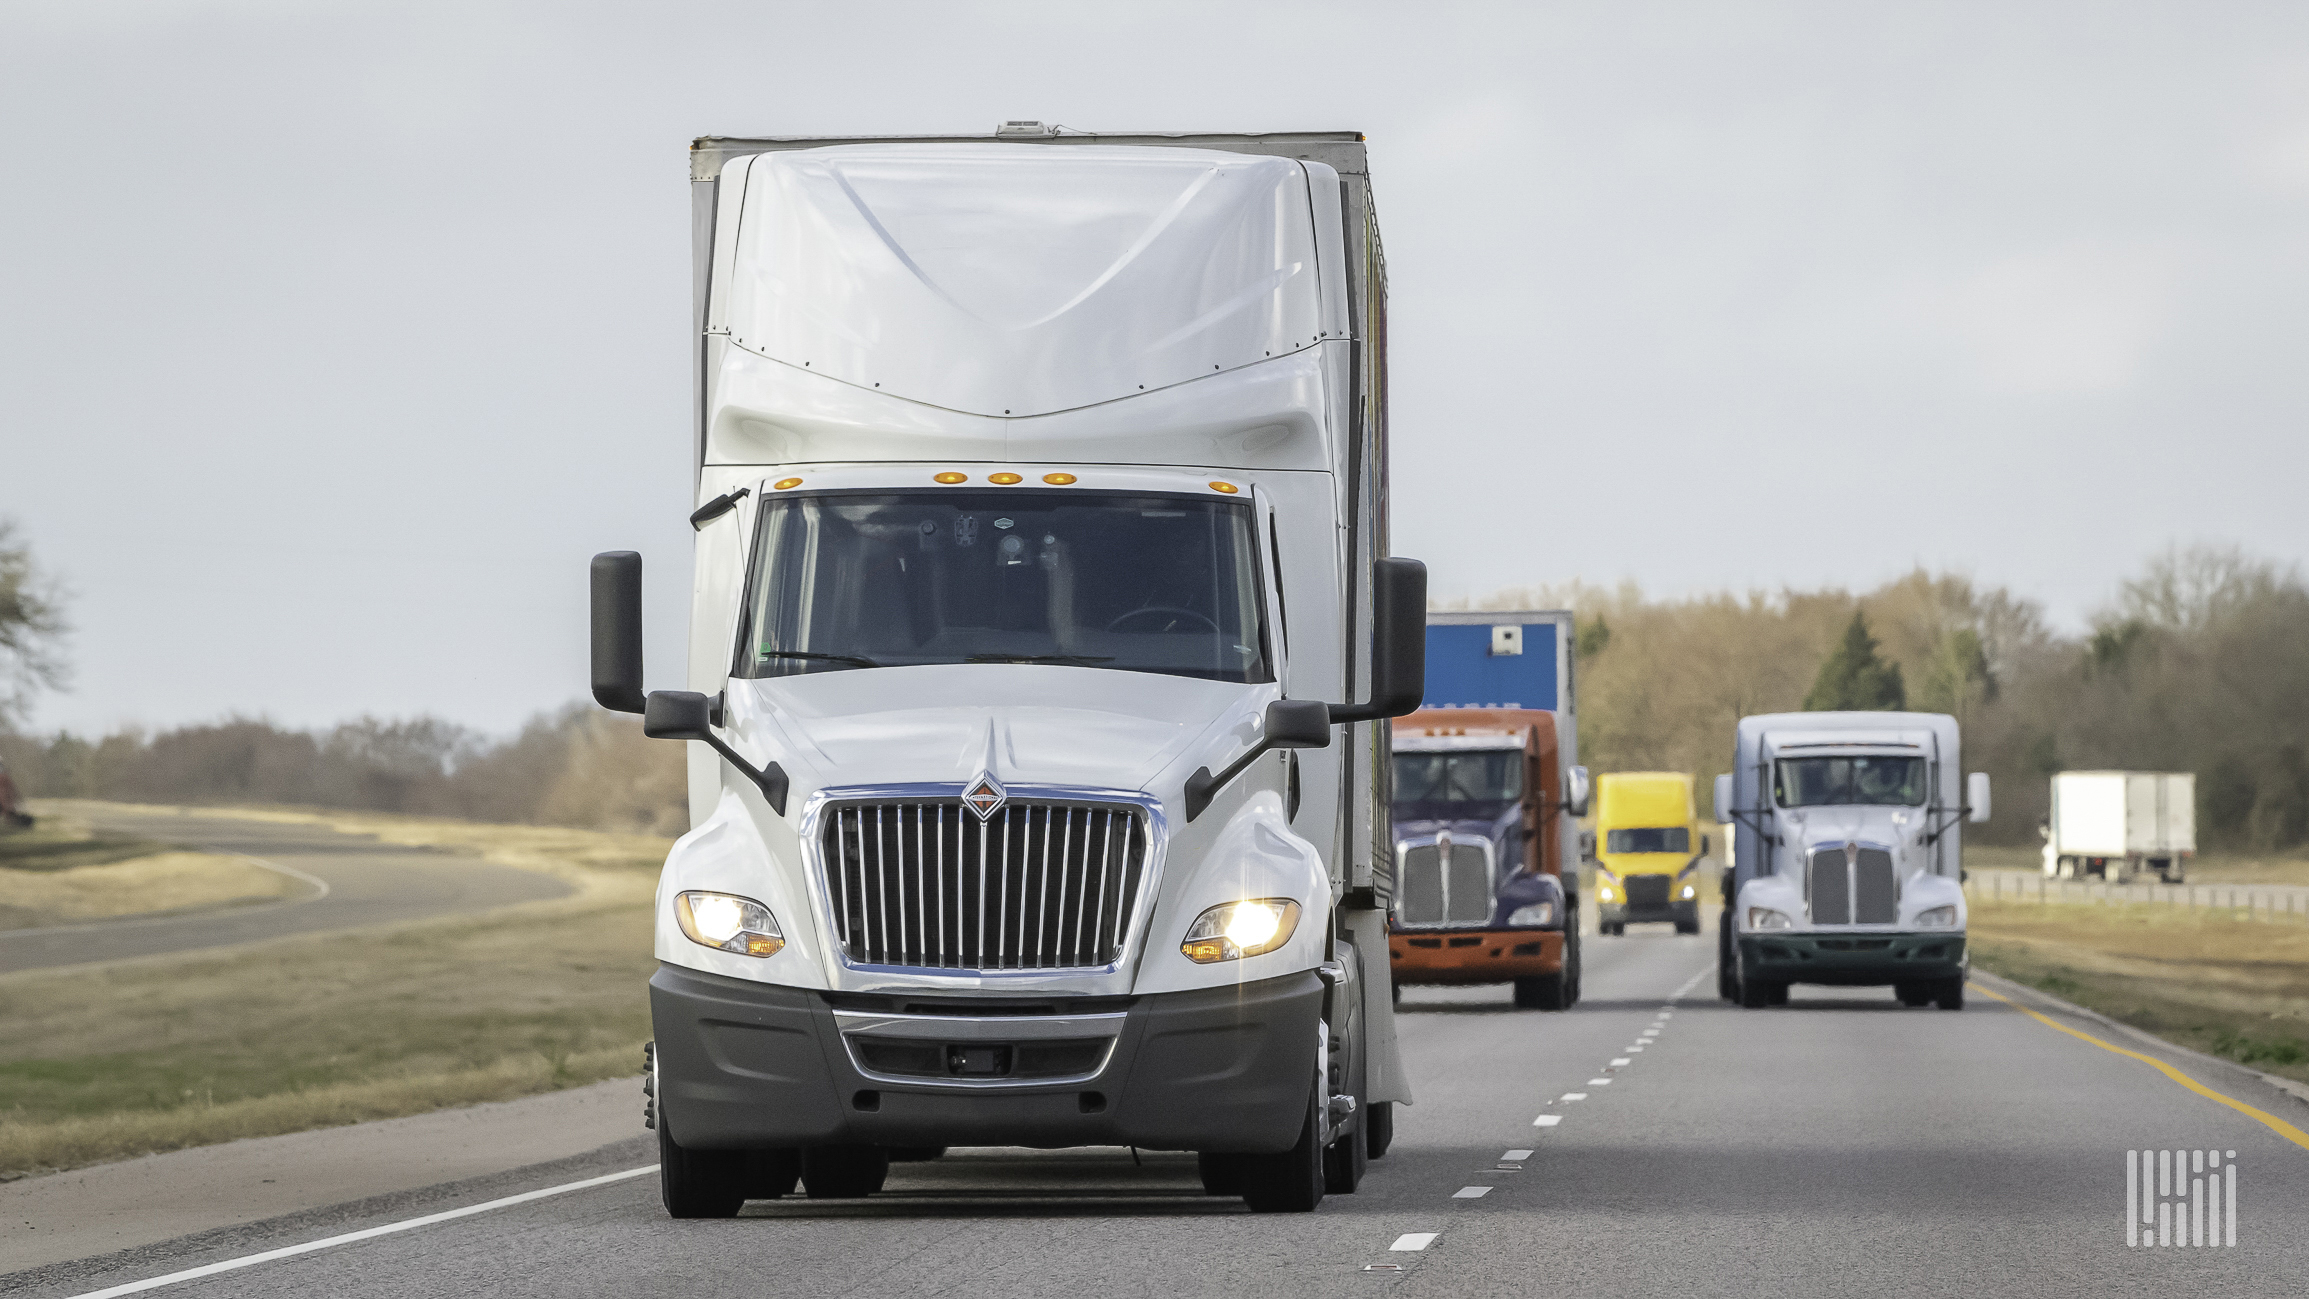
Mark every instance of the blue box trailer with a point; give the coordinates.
(1512, 659)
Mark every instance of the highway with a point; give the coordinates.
(1840, 1145)
(351, 881)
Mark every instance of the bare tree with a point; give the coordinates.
(32, 628)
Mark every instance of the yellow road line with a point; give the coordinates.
(2275, 1124)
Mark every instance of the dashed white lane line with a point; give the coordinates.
(1515, 1156)
(1547, 1120)
(1575, 1096)
(1471, 1193)
(1414, 1240)
(251, 1260)
(1694, 982)
(1599, 1082)
(1620, 1060)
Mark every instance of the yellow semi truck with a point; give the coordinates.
(1648, 849)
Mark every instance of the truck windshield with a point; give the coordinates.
(1495, 776)
(1142, 583)
(1669, 839)
(1880, 781)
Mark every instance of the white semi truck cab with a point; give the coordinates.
(1849, 860)
(1043, 636)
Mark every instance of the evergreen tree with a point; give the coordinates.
(1855, 678)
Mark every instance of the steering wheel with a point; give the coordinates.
(1151, 609)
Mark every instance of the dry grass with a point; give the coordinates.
(2207, 980)
(2205, 868)
(107, 1062)
(64, 872)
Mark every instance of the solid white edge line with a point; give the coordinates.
(321, 886)
(251, 1260)
(1414, 1240)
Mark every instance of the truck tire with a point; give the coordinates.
(843, 1172)
(1573, 966)
(1914, 994)
(1222, 1174)
(1379, 1129)
(1951, 994)
(699, 1183)
(1755, 994)
(1727, 984)
(1779, 994)
(1290, 1182)
(1345, 1158)
(1540, 992)
(1687, 926)
(914, 1154)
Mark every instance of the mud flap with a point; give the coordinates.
(1383, 1073)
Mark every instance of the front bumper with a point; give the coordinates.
(747, 1065)
(1853, 959)
(1686, 912)
(1473, 955)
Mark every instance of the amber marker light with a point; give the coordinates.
(1229, 488)
(787, 484)
(1058, 480)
(1005, 480)
(951, 477)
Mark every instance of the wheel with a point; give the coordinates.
(1727, 984)
(1345, 1158)
(1951, 994)
(699, 1183)
(1540, 992)
(914, 1154)
(1687, 926)
(843, 1172)
(1379, 1129)
(1913, 994)
(1222, 1174)
(1397, 989)
(1755, 994)
(1779, 994)
(1290, 1182)
(1573, 966)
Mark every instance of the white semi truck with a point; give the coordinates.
(2118, 824)
(1043, 635)
(1848, 858)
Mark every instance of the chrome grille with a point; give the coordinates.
(1831, 888)
(1863, 889)
(1433, 892)
(1037, 886)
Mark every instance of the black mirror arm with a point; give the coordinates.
(771, 780)
(716, 508)
(1202, 786)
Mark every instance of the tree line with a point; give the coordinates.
(2199, 663)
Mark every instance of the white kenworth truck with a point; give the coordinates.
(1849, 856)
(1042, 637)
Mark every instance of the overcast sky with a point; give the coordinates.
(335, 338)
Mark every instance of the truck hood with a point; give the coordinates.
(1424, 820)
(1027, 723)
(1817, 827)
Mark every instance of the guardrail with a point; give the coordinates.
(2254, 901)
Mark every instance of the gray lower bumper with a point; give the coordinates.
(1619, 913)
(753, 1065)
(1857, 960)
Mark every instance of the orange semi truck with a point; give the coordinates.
(1484, 796)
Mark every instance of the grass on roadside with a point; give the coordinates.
(63, 871)
(2209, 981)
(106, 1062)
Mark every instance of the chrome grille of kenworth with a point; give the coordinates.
(1856, 888)
(1435, 891)
(1039, 885)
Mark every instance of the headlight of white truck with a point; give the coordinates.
(1538, 913)
(1937, 918)
(1234, 930)
(728, 923)
(1767, 918)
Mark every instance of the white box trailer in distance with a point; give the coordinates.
(2117, 824)
(1043, 635)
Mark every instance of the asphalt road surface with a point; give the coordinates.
(368, 883)
(1840, 1145)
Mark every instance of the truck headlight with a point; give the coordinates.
(1234, 930)
(1687, 890)
(1767, 918)
(1603, 892)
(728, 923)
(1937, 918)
(1538, 913)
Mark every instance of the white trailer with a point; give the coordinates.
(2118, 824)
(1041, 496)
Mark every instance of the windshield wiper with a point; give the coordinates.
(851, 659)
(1062, 660)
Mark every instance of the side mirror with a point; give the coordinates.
(1705, 846)
(1398, 642)
(1976, 795)
(617, 631)
(678, 715)
(1577, 789)
(1289, 724)
(688, 715)
(1724, 799)
(1297, 724)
